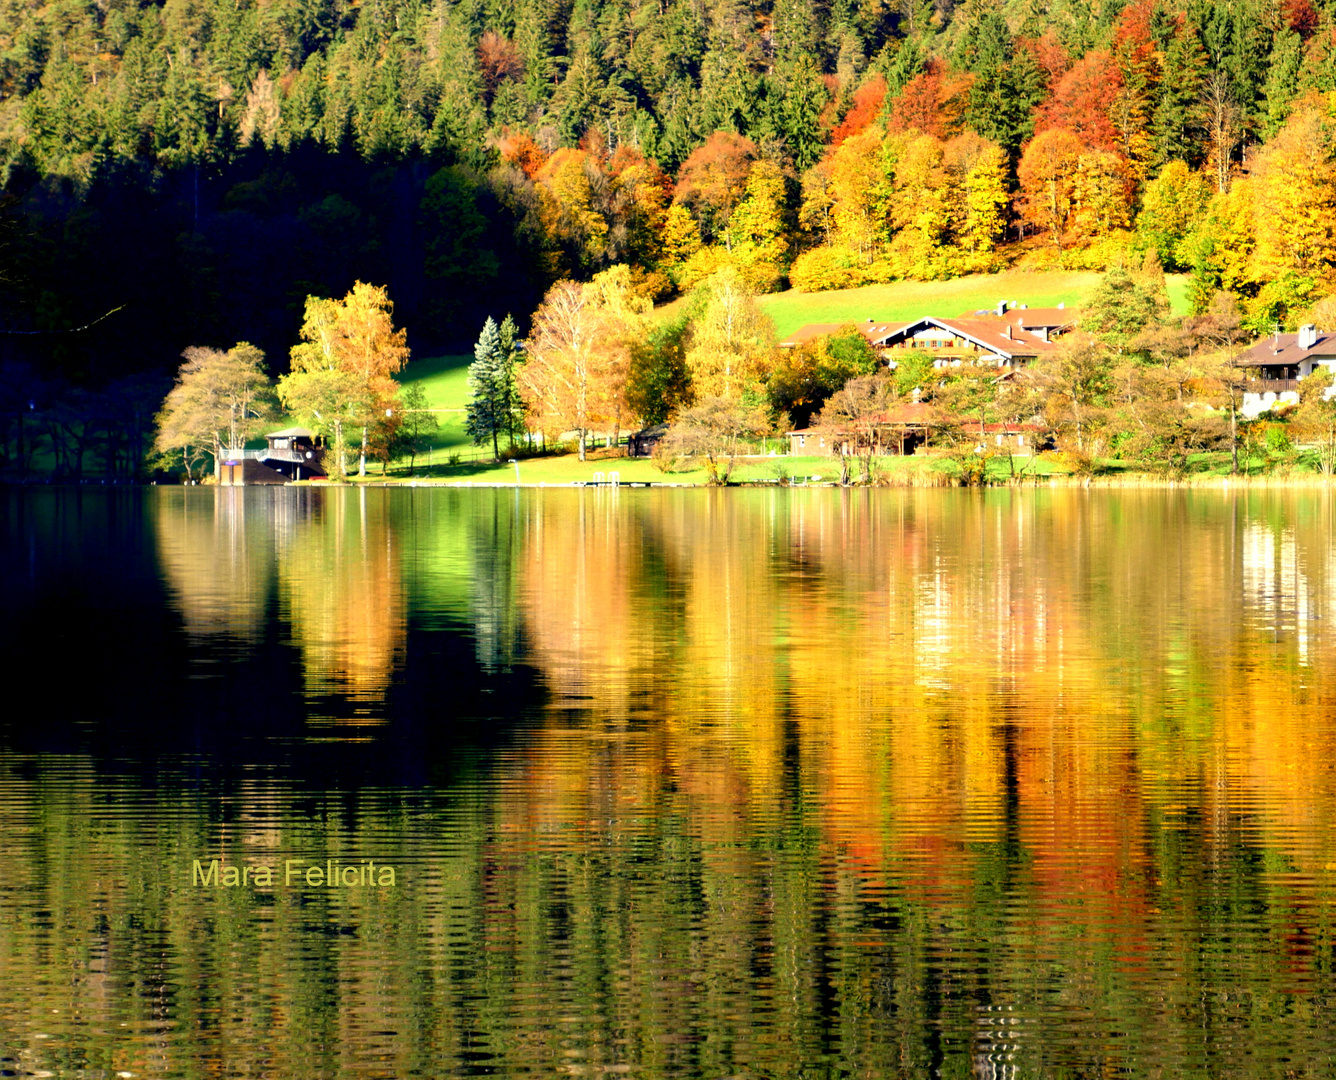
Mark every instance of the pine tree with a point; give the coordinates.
(1178, 113)
(1282, 83)
(491, 406)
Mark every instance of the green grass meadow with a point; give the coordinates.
(901, 301)
(445, 380)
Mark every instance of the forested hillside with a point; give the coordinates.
(204, 165)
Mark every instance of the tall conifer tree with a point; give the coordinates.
(491, 406)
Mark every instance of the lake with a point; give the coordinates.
(743, 783)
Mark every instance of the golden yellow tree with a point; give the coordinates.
(1100, 194)
(680, 239)
(978, 171)
(342, 372)
(1295, 198)
(756, 230)
(220, 400)
(731, 340)
(579, 353)
(566, 201)
(1047, 175)
(858, 190)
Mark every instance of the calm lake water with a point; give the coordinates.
(674, 783)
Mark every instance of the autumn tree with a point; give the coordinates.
(578, 360)
(1295, 198)
(863, 110)
(933, 102)
(342, 371)
(1172, 206)
(1048, 178)
(567, 187)
(859, 187)
(712, 428)
(1225, 122)
(713, 180)
(1078, 376)
(638, 197)
(756, 229)
(220, 400)
(732, 339)
(978, 174)
(680, 239)
(1315, 418)
(802, 379)
(1081, 101)
(853, 417)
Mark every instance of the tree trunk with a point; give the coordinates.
(581, 444)
(361, 461)
(1233, 436)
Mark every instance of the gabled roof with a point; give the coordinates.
(868, 328)
(1281, 349)
(291, 433)
(1004, 339)
(1031, 318)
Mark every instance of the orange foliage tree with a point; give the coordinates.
(931, 102)
(866, 107)
(712, 180)
(1048, 177)
(1082, 100)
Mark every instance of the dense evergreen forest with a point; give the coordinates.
(198, 167)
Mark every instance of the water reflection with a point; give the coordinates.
(897, 783)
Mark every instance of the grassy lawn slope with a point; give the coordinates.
(444, 379)
(905, 300)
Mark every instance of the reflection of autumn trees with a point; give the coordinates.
(325, 562)
(884, 779)
(217, 560)
(342, 591)
(1031, 697)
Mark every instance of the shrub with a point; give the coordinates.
(665, 457)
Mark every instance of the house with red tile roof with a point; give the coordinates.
(1006, 339)
(992, 342)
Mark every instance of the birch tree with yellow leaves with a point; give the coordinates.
(578, 358)
(731, 340)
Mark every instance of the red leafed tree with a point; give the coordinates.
(866, 106)
(1300, 16)
(1082, 100)
(931, 102)
(1134, 27)
(1049, 54)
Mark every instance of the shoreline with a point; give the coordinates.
(925, 480)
